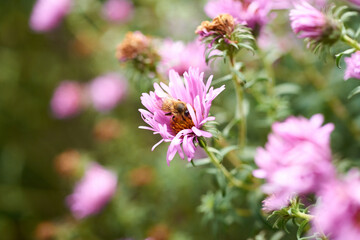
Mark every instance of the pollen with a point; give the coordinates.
(180, 123)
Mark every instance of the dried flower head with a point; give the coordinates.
(224, 34)
(138, 48)
(141, 176)
(45, 231)
(178, 111)
(107, 129)
(223, 24)
(67, 163)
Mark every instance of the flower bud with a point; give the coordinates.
(314, 25)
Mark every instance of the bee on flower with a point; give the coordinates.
(178, 111)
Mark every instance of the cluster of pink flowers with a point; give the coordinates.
(180, 56)
(47, 14)
(118, 11)
(93, 191)
(197, 96)
(104, 92)
(296, 159)
(353, 66)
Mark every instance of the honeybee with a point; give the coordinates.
(176, 108)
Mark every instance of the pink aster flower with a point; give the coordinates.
(47, 14)
(338, 211)
(180, 56)
(253, 13)
(296, 159)
(67, 99)
(352, 66)
(118, 11)
(309, 22)
(182, 126)
(93, 191)
(107, 91)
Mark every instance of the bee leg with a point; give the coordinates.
(168, 114)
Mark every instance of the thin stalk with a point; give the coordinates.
(235, 182)
(351, 42)
(239, 98)
(305, 216)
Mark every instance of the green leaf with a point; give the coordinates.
(347, 15)
(301, 229)
(354, 92)
(228, 149)
(339, 55)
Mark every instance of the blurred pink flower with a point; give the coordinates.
(93, 191)
(311, 23)
(338, 211)
(352, 66)
(47, 14)
(183, 133)
(253, 13)
(118, 10)
(67, 99)
(107, 91)
(180, 56)
(296, 158)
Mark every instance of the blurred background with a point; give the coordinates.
(152, 199)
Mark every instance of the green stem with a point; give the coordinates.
(305, 216)
(351, 42)
(238, 84)
(219, 166)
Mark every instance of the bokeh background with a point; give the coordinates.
(152, 198)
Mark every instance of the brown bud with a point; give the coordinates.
(45, 231)
(67, 163)
(159, 232)
(133, 44)
(223, 24)
(141, 176)
(107, 129)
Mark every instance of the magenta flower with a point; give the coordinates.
(307, 20)
(352, 66)
(67, 99)
(314, 25)
(182, 125)
(338, 211)
(296, 159)
(47, 14)
(118, 11)
(107, 91)
(93, 191)
(180, 56)
(253, 13)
